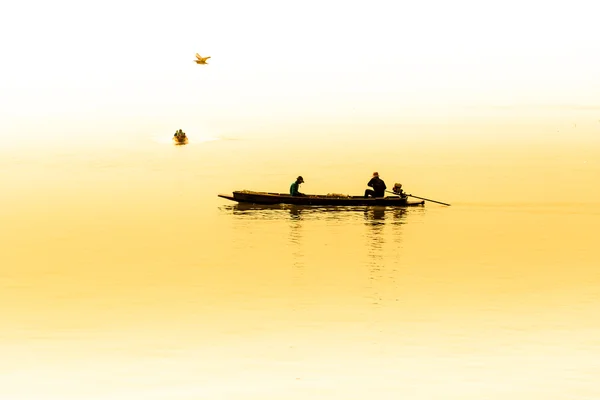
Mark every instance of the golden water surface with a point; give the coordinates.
(124, 276)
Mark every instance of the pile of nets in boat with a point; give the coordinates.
(337, 195)
(252, 192)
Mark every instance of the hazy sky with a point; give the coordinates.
(72, 62)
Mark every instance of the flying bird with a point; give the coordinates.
(201, 60)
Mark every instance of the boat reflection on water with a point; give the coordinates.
(378, 215)
(372, 214)
(310, 231)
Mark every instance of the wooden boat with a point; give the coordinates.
(246, 196)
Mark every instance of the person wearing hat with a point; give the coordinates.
(295, 187)
(378, 186)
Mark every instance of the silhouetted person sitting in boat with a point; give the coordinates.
(295, 187)
(378, 186)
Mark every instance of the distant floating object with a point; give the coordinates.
(201, 60)
(180, 137)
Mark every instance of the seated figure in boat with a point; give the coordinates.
(295, 187)
(378, 186)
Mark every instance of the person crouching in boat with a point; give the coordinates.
(295, 187)
(378, 186)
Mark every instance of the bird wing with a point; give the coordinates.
(198, 56)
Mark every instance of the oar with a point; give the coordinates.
(422, 198)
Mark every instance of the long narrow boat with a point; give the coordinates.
(246, 196)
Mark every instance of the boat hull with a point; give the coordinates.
(318, 200)
(178, 140)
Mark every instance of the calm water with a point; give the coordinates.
(124, 276)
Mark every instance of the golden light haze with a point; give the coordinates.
(124, 276)
(128, 66)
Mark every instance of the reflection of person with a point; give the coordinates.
(295, 213)
(295, 187)
(378, 213)
(378, 186)
(375, 213)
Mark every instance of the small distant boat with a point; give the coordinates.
(180, 138)
(246, 196)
